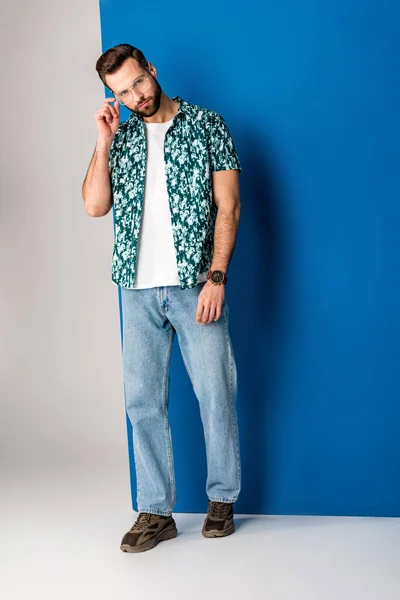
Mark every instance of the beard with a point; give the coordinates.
(152, 107)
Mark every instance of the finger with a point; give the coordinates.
(212, 313)
(106, 114)
(102, 110)
(205, 314)
(199, 311)
(100, 116)
(113, 109)
(109, 110)
(217, 312)
(114, 112)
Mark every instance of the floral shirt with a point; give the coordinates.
(197, 143)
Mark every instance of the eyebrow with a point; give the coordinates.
(130, 84)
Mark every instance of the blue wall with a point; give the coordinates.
(310, 91)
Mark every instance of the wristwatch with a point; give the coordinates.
(217, 277)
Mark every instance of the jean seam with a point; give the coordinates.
(134, 457)
(166, 422)
(231, 390)
(223, 499)
(156, 511)
(187, 369)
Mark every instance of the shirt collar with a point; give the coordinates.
(182, 109)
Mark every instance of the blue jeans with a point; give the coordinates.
(151, 317)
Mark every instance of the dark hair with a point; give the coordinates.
(113, 58)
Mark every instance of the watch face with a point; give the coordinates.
(217, 276)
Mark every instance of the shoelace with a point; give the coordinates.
(219, 509)
(142, 522)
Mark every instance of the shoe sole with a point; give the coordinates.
(164, 535)
(215, 533)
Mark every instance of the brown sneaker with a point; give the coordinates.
(147, 531)
(219, 520)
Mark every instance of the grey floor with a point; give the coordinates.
(60, 537)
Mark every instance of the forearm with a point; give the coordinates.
(96, 188)
(225, 233)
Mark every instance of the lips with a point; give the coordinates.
(144, 103)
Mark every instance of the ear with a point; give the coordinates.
(152, 69)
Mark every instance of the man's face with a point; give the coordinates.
(129, 71)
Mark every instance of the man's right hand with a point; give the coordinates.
(107, 121)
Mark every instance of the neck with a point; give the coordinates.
(168, 109)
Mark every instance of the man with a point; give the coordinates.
(171, 173)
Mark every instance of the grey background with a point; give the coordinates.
(61, 374)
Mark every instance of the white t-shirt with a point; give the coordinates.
(156, 259)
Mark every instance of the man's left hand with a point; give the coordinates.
(209, 305)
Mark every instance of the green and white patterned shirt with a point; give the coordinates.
(197, 143)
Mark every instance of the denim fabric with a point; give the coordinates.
(151, 318)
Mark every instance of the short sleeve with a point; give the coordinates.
(112, 154)
(223, 154)
(117, 144)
